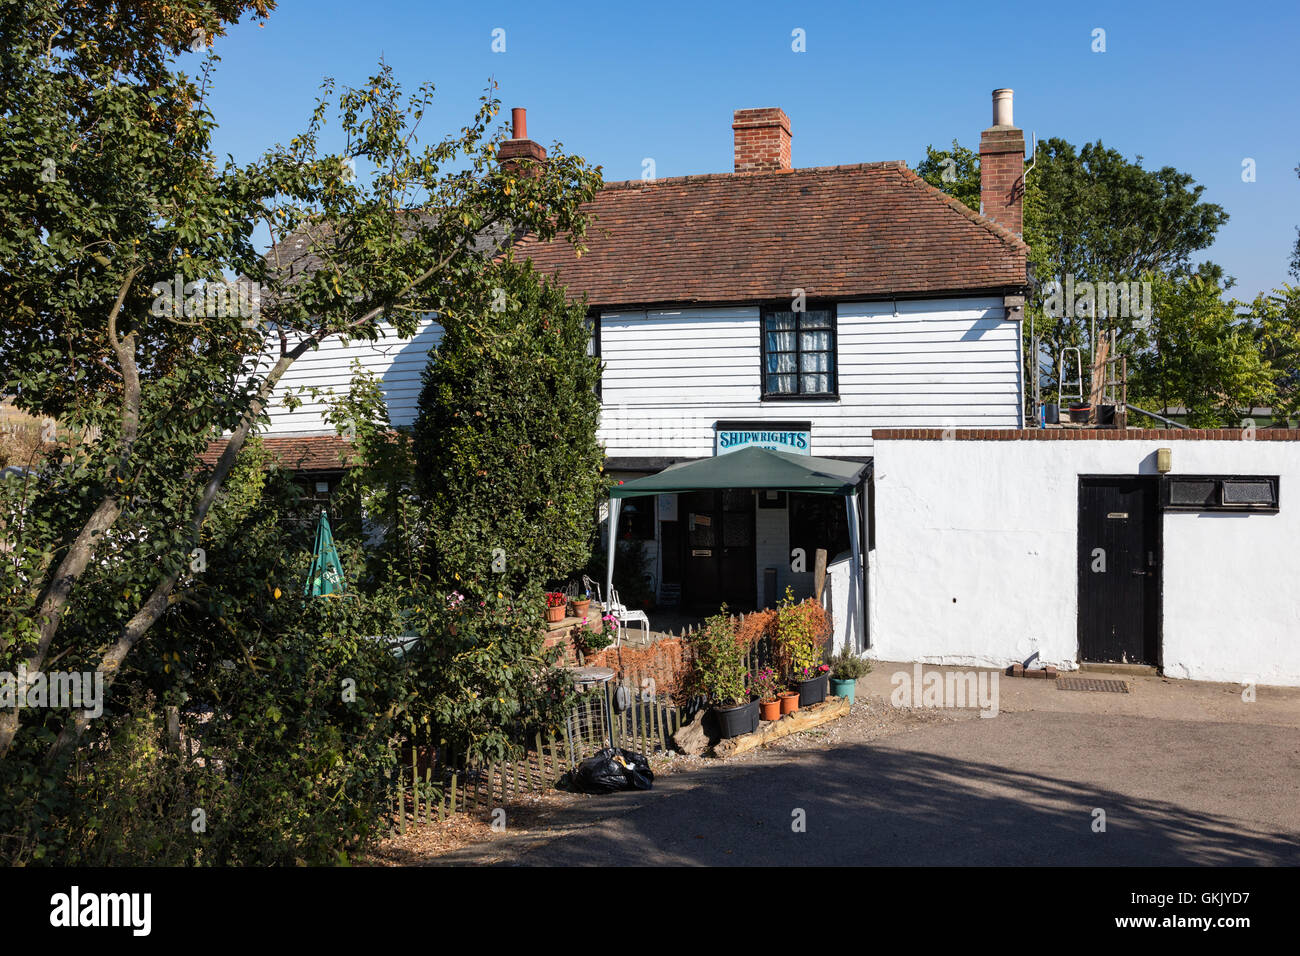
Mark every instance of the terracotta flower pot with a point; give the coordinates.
(580, 608)
(554, 614)
(789, 701)
(769, 709)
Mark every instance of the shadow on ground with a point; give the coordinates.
(888, 803)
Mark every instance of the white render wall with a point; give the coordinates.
(976, 556)
(397, 362)
(671, 374)
(845, 607)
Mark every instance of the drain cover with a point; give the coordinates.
(1091, 683)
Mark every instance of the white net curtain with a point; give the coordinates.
(800, 353)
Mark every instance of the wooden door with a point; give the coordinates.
(1119, 570)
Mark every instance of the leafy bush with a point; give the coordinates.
(505, 440)
(801, 629)
(719, 668)
(847, 665)
(288, 714)
(484, 683)
(766, 684)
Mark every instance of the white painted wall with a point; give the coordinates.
(397, 362)
(670, 375)
(844, 603)
(975, 560)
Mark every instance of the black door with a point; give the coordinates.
(738, 579)
(701, 556)
(1119, 570)
(718, 549)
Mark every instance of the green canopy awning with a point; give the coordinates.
(759, 469)
(326, 573)
(750, 468)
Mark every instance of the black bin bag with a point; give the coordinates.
(613, 770)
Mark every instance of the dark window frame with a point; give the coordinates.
(593, 316)
(834, 393)
(1217, 505)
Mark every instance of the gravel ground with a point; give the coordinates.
(869, 719)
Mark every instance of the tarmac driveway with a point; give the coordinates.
(1017, 789)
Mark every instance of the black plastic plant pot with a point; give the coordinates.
(812, 691)
(1079, 414)
(734, 721)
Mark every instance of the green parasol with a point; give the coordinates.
(326, 574)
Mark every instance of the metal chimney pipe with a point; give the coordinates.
(1002, 108)
(519, 122)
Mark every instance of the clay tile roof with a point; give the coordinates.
(875, 229)
(306, 453)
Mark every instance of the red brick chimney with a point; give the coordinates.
(519, 146)
(1002, 167)
(762, 140)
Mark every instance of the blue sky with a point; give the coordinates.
(1195, 85)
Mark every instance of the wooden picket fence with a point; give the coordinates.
(645, 727)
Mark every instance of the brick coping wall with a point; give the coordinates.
(1085, 434)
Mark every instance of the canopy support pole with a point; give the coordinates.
(611, 548)
(855, 631)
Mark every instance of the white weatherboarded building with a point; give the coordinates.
(856, 313)
(796, 310)
(671, 375)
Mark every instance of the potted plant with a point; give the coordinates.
(801, 641)
(766, 684)
(789, 701)
(846, 668)
(812, 682)
(720, 675)
(581, 603)
(595, 634)
(555, 604)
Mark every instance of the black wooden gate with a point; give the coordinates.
(1119, 570)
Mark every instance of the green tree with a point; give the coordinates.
(101, 338)
(505, 440)
(478, 681)
(1276, 316)
(1202, 355)
(956, 171)
(106, 185)
(1094, 215)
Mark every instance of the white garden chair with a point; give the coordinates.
(625, 615)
